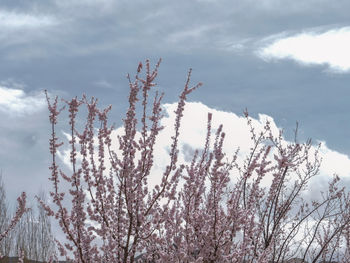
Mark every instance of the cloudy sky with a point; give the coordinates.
(289, 61)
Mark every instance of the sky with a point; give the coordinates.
(288, 62)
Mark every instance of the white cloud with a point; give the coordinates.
(17, 102)
(14, 20)
(329, 48)
(193, 132)
(334, 162)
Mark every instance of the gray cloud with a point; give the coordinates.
(74, 47)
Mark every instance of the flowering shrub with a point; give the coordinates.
(198, 212)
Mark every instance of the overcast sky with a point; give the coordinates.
(290, 61)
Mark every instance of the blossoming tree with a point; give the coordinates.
(213, 209)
